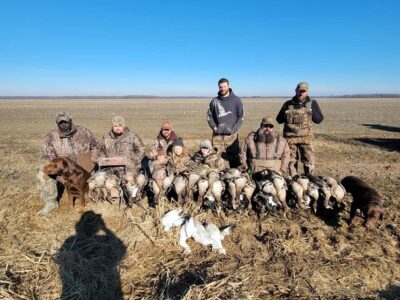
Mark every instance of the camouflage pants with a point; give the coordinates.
(303, 153)
(228, 148)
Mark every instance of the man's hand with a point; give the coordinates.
(242, 168)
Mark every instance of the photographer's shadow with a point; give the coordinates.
(89, 261)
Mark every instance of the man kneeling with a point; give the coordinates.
(119, 144)
(264, 149)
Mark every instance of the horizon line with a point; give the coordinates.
(367, 95)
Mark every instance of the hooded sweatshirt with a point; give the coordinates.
(226, 114)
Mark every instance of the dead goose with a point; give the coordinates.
(207, 234)
(172, 218)
(96, 185)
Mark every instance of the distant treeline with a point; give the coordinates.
(367, 96)
(192, 97)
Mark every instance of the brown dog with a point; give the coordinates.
(365, 198)
(74, 177)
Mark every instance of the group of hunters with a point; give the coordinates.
(263, 148)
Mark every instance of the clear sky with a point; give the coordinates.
(97, 47)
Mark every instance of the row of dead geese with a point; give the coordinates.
(222, 190)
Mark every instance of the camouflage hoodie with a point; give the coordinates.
(179, 164)
(158, 150)
(213, 160)
(77, 141)
(128, 144)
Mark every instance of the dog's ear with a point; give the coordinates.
(68, 164)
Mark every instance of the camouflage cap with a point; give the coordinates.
(267, 120)
(63, 117)
(206, 144)
(302, 86)
(118, 121)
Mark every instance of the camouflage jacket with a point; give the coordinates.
(81, 140)
(212, 161)
(128, 145)
(257, 150)
(158, 150)
(180, 164)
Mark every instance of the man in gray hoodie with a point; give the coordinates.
(225, 116)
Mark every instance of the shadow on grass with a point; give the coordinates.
(388, 144)
(383, 127)
(88, 261)
(392, 292)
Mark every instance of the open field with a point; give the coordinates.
(302, 257)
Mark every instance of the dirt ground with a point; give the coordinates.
(301, 257)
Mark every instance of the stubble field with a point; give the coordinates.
(302, 257)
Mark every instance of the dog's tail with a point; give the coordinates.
(227, 231)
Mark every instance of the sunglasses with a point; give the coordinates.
(302, 91)
(268, 126)
(165, 129)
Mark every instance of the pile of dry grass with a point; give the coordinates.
(269, 258)
(131, 257)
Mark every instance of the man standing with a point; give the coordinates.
(264, 149)
(225, 116)
(67, 140)
(298, 114)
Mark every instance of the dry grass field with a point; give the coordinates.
(302, 257)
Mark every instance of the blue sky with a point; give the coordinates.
(183, 47)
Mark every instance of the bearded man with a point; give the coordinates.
(67, 140)
(225, 117)
(121, 141)
(264, 149)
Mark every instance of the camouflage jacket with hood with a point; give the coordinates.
(210, 162)
(158, 150)
(179, 164)
(78, 140)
